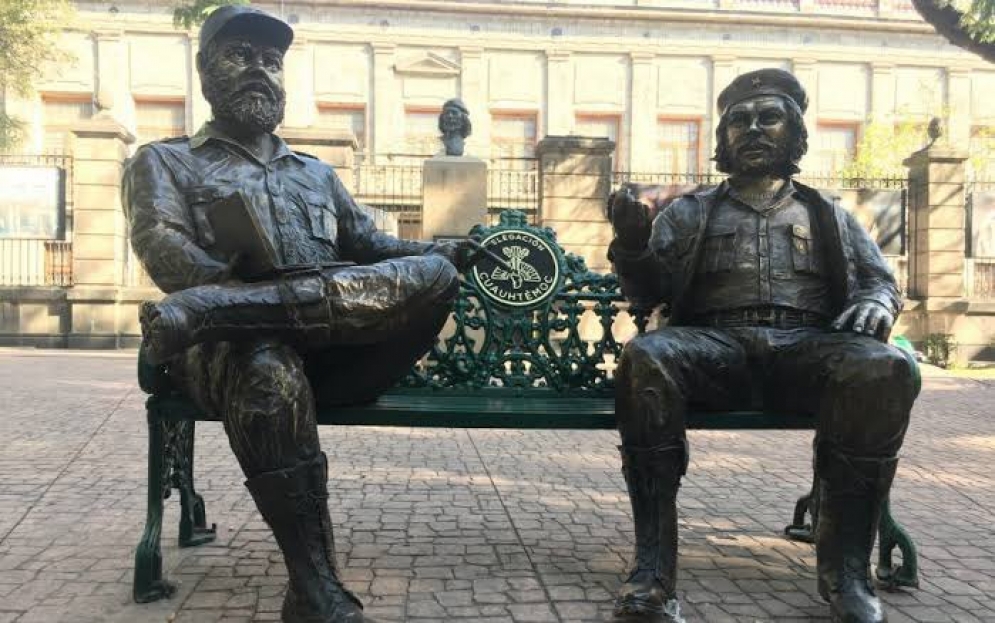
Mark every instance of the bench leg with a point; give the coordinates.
(149, 584)
(193, 523)
(799, 530)
(891, 535)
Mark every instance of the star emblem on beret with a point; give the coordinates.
(756, 82)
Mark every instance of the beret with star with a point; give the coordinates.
(763, 82)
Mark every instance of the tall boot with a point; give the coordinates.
(652, 476)
(852, 493)
(293, 502)
(295, 308)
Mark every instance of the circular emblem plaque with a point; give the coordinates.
(528, 275)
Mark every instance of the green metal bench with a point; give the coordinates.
(532, 353)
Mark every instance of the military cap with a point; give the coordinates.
(763, 82)
(456, 103)
(242, 19)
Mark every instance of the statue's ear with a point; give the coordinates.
(201, 61)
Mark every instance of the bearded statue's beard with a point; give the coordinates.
(258, 108)
(775, 160)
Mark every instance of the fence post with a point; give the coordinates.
(100, 147)
(937, 222)
(575, 177)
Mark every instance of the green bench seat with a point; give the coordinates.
(540, 365)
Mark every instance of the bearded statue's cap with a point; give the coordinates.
(242, 19)
(763, 82)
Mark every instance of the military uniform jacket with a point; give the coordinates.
(663, 273)
(300, 202)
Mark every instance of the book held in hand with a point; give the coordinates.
(238, 233)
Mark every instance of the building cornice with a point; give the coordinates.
(696, 15)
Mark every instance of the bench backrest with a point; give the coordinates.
(538, 319)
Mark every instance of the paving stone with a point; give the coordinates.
(433, 525)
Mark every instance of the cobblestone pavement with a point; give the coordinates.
(442, 525)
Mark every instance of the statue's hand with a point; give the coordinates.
(630, 219)
(462, 254)
(866, 317)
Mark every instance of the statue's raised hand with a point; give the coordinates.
(630, 219)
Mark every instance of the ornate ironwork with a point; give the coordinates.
(564, 343)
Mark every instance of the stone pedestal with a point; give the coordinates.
(575, 175)
(937, 259)
(454, 196)
(99, 235)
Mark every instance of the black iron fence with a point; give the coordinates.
(980, 238)
(34, 249)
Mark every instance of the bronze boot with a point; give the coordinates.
(852, 494)
(293, 502)
(652, 476)
(295, 308)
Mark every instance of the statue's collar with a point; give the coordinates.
(210, 132)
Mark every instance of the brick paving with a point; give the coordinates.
(451, 524)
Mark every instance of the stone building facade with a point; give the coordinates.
(366, 79)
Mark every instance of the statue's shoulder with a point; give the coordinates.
(173, 144)
(304, 154)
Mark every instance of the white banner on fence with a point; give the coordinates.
(30, 202)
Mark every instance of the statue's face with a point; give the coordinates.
(243, 82)
(452, 120)
(758, 134)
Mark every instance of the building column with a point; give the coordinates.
(643, 110)
(806, 71)
(723, 72)
(473, 92)
(559, 93)
(384, 100)
(198, 110)
(299, 71)
(113, 87)
(575, 175)
(883, 93)
(959, 105)
(98, 320)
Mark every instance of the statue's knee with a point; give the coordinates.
(269, 380)
(882, 368)
(440, 276)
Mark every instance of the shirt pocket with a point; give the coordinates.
(719, 252)
(803, 257)
(322, 215)
(199, 200)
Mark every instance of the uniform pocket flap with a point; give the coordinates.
(800, 231)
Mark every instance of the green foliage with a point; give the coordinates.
(194, 13)
(939, 347)
(27, 44)
(977, 17)
(883, 147)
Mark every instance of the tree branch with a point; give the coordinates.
(947, 22)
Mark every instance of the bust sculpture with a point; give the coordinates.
(777, 299)
(454, 123)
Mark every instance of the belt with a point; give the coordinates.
(774, 317)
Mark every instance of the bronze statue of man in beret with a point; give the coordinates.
(343, 312)
(777, 299)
